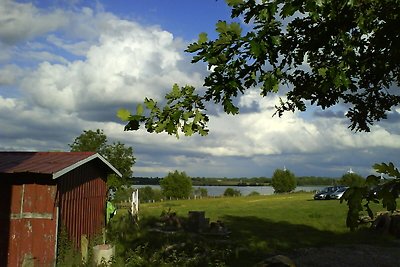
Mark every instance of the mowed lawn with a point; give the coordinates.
(274, 223)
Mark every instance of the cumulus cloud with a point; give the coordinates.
(23, 21)
(128, 63)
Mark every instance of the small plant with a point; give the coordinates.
(67, 254)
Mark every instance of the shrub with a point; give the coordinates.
(230, 192)
(283, 181)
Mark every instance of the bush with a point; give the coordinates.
(283, 181)
(230, 192)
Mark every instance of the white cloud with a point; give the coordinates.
(9, 74)
(20, 21)
(79, 48)
(128, 63)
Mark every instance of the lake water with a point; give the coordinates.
(245, 190)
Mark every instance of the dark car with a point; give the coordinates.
(326, 192)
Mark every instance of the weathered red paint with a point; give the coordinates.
(42, 191)
(82, 201)
(33, 228)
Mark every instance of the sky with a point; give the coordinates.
(69, 65)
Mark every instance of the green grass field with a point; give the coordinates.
(294, 219)
(266, 225)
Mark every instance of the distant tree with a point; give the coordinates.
(120, 156)
(90, 141)
(177, 185)
(313, 180)
(283, 181)
(148, 193)
(352, 179)
(123, 194)
(200, 191)
(230, 192)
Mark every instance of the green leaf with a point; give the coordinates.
(276, 40)
(288, 10)
(202, 38)
(235, 28)
(387, 169)
(187, 129)
(150, 104)
(221, 26)
(255, 48)
(372, 180)
(193, 48)
(123, 114)
(132, 125)
(322, 72)
(139, 109)
(369, 211)
(176, 92)
(203, 132)
(234, 2)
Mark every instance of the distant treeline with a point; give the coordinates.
(243, 181)
(255, 181)
(146, 181)
(314, 180)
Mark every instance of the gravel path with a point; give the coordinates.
(351, 255)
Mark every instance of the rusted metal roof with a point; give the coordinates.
(52, 163)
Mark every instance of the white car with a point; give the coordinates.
(338, 193)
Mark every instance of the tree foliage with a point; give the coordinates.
(176, 185)
(323, 52)
(283, 181)
(375, 190)
(148, 193)
(90, 141)
(200, 191)
(314, 180)
(120, 156)
(352, 179)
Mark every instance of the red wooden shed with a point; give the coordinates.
(44, 191)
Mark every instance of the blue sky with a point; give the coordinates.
(68, 66)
